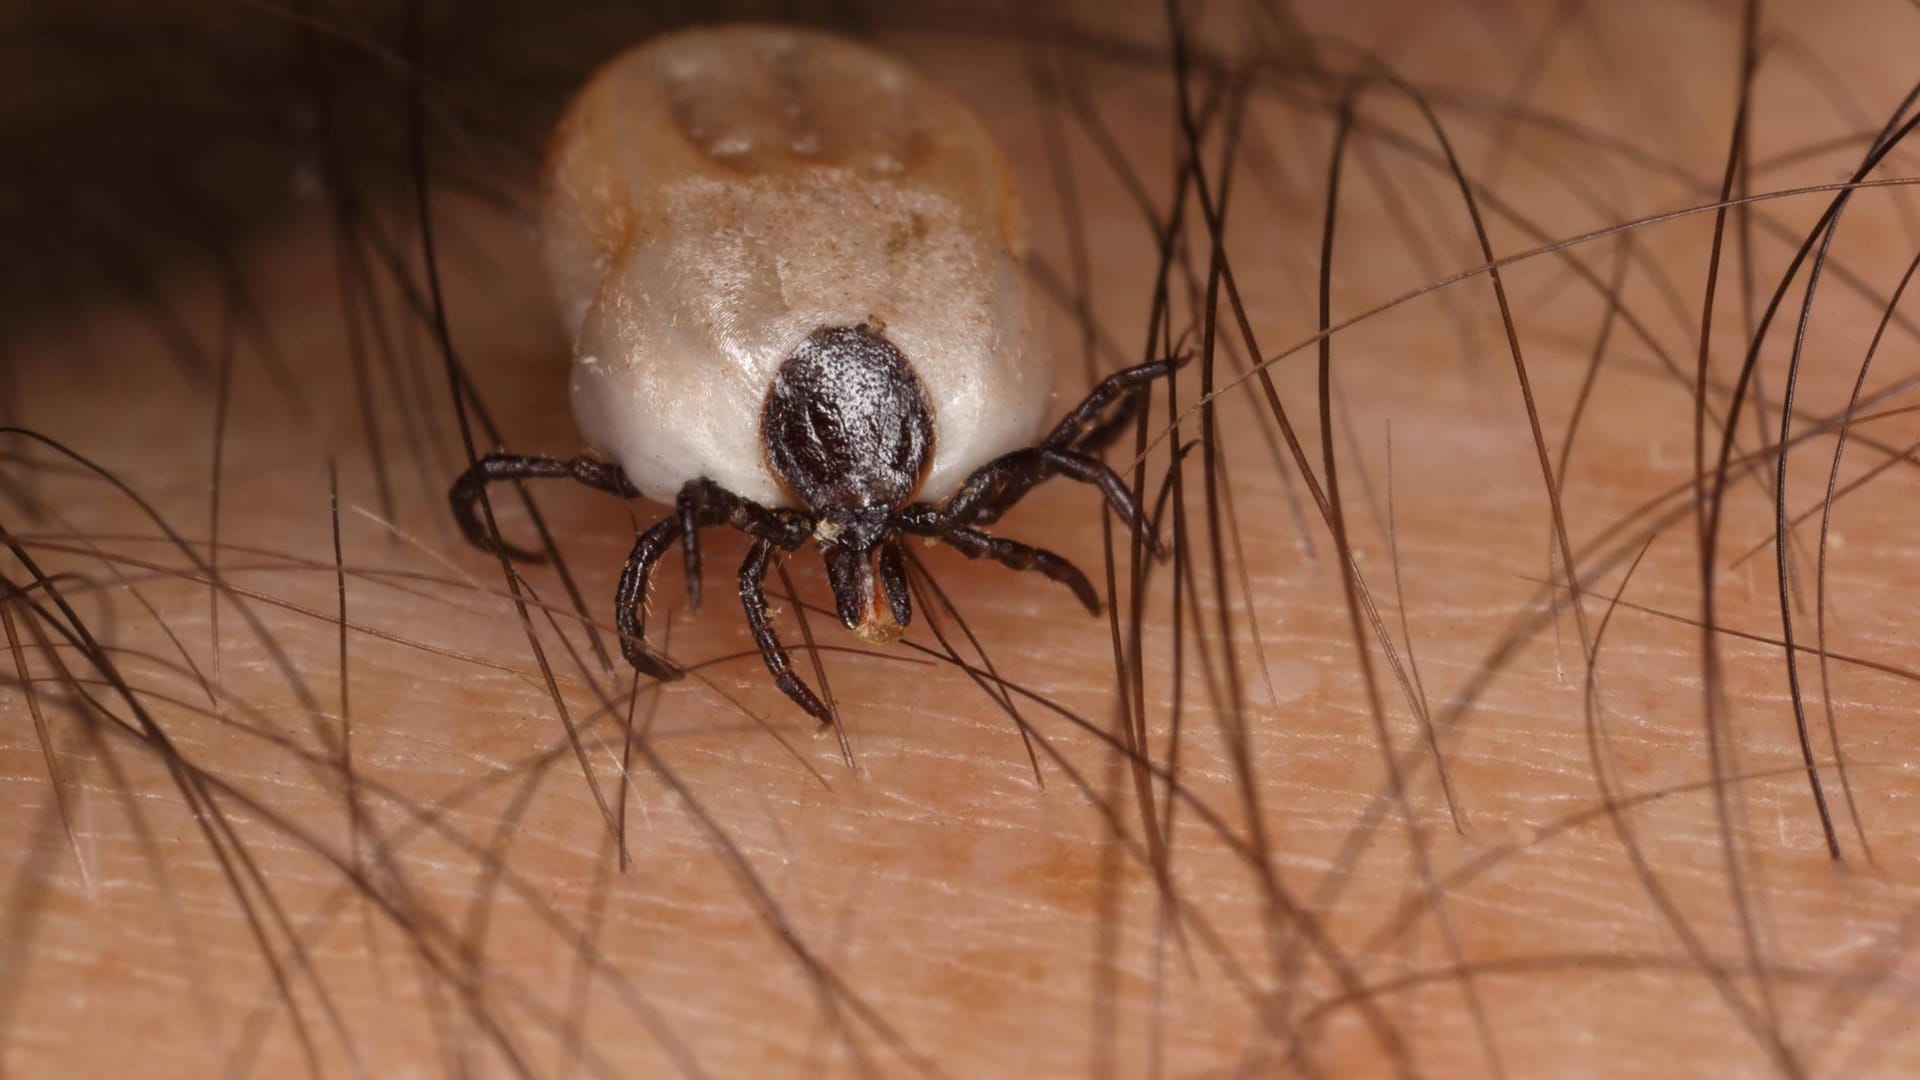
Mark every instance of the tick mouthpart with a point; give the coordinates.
(856, 594)
(879, 628)
(857, 528)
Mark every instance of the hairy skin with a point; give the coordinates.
(456, 893)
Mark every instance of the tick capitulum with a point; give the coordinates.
(791, 266)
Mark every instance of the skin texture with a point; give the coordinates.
(1578, 897)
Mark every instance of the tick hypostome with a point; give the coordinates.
(792, 271)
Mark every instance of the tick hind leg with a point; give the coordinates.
(1078, 431)
(464, 496)
(1069, 448)
(753, 596)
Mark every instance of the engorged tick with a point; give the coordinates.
(792, 269)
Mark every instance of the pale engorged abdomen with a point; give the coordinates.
(715, 196)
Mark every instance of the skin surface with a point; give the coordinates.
(1579, 897)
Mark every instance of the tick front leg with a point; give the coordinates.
(464, 496)
(703, 503)
(630, 601)
(975, 544)
(997, 485)
(753, 596)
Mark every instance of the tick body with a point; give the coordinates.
(792, 271)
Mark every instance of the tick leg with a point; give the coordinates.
(688, 507)
(1073, 435)
(1123, 385)
(753, 596)
(630, 601)
(1000, 483)
(703, 503)
(1094, 471)
(975, 544)
(464, 496)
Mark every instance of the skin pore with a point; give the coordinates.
(1553, 830)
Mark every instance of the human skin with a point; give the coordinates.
(1629, 877)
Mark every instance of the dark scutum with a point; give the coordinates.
(846, 422)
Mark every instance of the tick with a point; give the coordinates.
(792, 271)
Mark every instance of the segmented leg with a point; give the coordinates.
(630, 601)
(997, 485)
(464, 496)
(1073, 435)
(753, 596)
(687, 506)
(703, 503)
(975, 544)
(1124, 385)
